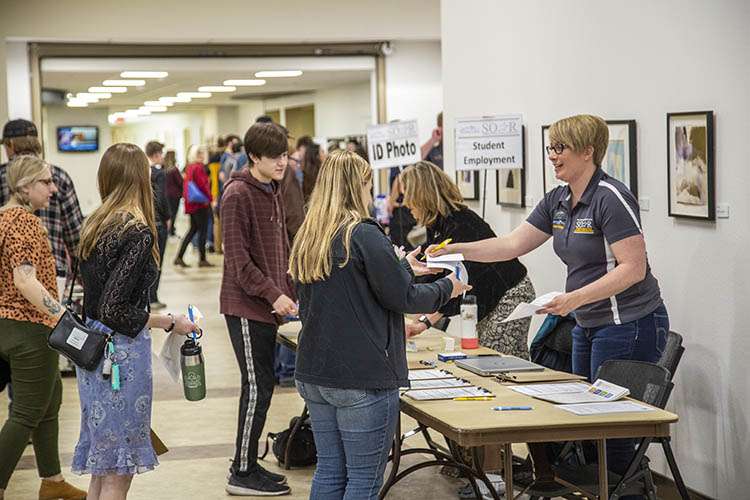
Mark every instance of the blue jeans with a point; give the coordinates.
(639, 340)
(285, 361)
(353, 431)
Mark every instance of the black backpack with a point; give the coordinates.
(302, 452)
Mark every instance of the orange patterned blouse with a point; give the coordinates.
(23, 240)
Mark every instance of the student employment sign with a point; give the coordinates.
(489, 143)
(393, 144)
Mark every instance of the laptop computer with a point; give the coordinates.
(491, 365)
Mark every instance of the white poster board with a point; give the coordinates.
(393, 144)
(489, 142)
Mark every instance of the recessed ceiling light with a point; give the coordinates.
(112, 90)
(158, 103)
(154, 109)
(97, 95)
(144, 74)
(194, 95)
(73, 103)
(175, 99)
(216, 88)
(245, 83)
(278, 73)
(124, 83)
(142, 112)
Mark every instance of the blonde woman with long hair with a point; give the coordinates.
(437, 204)
(351, 360)
(28, 311)
(119, 260)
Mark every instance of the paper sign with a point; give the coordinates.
(393, 144)
(489, 143)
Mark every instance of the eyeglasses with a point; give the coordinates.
(557, 148)
(47, 182)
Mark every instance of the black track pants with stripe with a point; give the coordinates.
(253, 344)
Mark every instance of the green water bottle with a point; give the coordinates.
(193, 370)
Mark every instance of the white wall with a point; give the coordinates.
(640, 60)
(343, 110)
(82, 167)
(414, 86)
(247, 112)
(18, 79)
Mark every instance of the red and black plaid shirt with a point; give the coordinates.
(63, 218)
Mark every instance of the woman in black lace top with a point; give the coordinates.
(118, 264)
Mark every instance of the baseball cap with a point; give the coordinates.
(19, 128)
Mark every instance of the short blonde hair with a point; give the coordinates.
(430, 191)
(24, 170)
(581, 131)
(193, 151)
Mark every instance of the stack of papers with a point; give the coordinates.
(439, 383)
(450, 393)
(584, 399)
(431, 374)
(452, 262)
(524, 309)
(575, 392)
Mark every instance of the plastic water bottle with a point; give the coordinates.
(193, 370)
(469, 338)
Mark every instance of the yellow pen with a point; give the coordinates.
(440, 246)
(475, 398)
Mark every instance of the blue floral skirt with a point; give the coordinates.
(116, 425)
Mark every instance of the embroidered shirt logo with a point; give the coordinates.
(584, 226)
(559, 220)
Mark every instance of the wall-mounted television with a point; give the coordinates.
(78, 139)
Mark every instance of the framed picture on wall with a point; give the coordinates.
(690, 165)
(468, 184)
(620, 159)
(510, 184)
(549, 181)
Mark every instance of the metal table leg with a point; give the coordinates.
(601, 447)
(508, 469)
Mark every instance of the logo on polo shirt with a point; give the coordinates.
(584, 226)
(559, 220)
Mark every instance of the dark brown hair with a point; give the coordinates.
(153, 148)
(265, 139)
(25, 145)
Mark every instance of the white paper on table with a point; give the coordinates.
(170, 355)
(605, 408)
(449, 257)
(429, 374)
(544, 389)
(525, 309)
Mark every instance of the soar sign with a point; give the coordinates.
(489, 143)
(393, 144)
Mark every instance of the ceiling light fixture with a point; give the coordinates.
(124, 83)
(144, 74)
(97, 95)
(278, 73)
(175, 99)
(216, 88)
(112, 90)
(245, 83)
(142, 112)
(194, 95)
(73, 103)
(158, 103)
(154, 109)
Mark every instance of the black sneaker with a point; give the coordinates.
(256, 484)
(276, 478)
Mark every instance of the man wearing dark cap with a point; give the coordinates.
(63, 217)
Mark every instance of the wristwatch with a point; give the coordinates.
(424, 319)
(171, 327)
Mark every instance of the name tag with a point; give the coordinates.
(77, 338)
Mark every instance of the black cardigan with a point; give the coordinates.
(353, 322)
(490, 280)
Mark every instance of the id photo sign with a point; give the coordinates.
(489, 142)
(393, 144)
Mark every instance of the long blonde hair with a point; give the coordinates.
(125, 188)
(338, 203)
(24, 170)
(430, 191)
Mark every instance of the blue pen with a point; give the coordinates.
(190, 317)
(512, 408)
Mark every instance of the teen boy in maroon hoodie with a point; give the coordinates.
(256, 293)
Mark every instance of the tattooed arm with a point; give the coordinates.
(24, 277)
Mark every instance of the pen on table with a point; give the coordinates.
(512, 408)
(474, 398)
(439, 247)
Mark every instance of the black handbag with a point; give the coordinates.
(302, 451)
(71, 337)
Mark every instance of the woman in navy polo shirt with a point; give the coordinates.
(595, 225)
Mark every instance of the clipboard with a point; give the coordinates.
(545, 375)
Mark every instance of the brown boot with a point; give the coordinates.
(205, 263)
(55, 490)
(180, 263)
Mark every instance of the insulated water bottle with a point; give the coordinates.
(193, 370)
(469, 338)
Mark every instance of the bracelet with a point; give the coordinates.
(171, 327)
